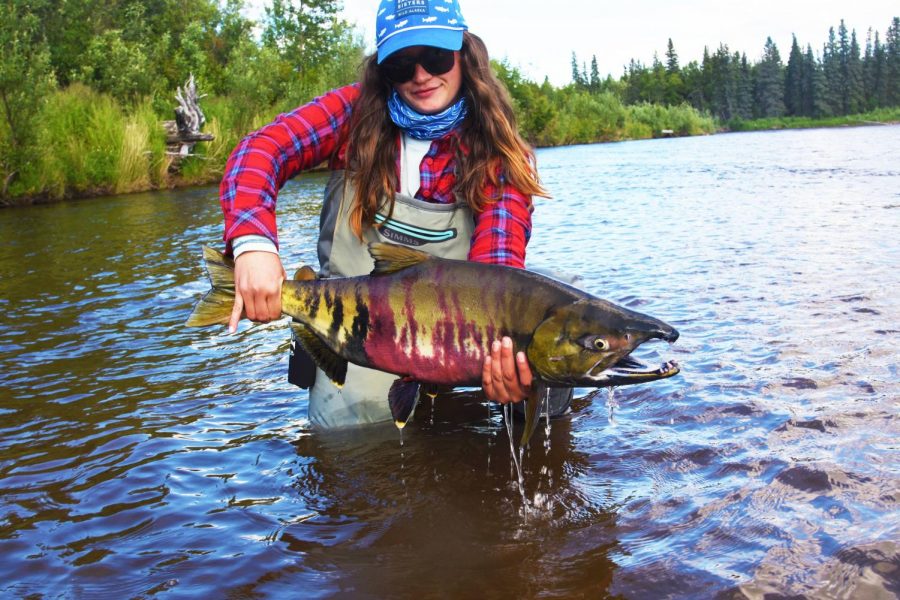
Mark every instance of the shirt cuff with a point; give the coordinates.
(252, 243)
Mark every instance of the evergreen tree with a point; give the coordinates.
(848, 83)
(744, 89)
(635, 74)
(595, 75)
(843, 61)
(831, 69)
(770, 82)
(655, 87)
(576, 73)
(692, 76)
(671, 58)
(856, 98)
(868, 73)
(807, 83)
(793, 82)
(814, 87)
(878, 74)
(715, 69)
(892, 64)
(706, 81)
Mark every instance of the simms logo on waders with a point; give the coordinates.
(410, 235)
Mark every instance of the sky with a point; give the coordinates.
(538, 37)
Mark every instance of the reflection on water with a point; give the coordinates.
(139, 458)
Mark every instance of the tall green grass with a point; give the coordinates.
(143, 164)
(81, 141)
(579, 117)
(652, 120)
(91, 145)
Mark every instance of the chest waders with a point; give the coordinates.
(443, 230)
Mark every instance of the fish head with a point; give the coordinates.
(582, 342)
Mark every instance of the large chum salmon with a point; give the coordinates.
(431, 321)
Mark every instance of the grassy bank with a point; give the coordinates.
(90, 145)
(882, 116)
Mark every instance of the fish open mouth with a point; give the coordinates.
(629, 371)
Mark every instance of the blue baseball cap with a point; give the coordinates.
(404, 23)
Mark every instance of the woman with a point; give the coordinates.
(424, 151)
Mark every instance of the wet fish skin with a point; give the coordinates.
(432, 321)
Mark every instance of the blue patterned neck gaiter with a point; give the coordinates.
(426, 127)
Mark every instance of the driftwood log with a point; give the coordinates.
(184, 132)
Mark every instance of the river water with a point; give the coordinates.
(141, 459)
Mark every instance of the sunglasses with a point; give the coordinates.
(402, 68)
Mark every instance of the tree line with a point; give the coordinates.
(842, 78)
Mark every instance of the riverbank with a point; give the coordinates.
(103, 152)
(884, 116)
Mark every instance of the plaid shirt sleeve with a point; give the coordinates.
(502, 229)
(264, 160)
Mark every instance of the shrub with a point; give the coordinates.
(81, 142)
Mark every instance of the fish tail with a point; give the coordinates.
(215, 307)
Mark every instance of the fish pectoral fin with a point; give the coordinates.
(325, 358)
(402, 398)
(390, 258)
(534, 404)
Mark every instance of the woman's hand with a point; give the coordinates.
(505, 378)
(257, 284)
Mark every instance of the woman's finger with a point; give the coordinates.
(499, 387)
(273, 305)
(236, 313)
(508, 367)
(487, 381)
(526, 378)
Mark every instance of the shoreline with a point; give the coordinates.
(179, 182)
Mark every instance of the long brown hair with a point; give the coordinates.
(493, 146)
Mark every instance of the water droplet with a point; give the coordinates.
(611, 404)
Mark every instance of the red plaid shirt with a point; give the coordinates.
(308, 136)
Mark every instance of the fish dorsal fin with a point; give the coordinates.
(305, 273)
(390, 258)
(325, 358)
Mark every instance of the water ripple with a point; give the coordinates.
(138, 458)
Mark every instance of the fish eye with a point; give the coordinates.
(595, 342)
